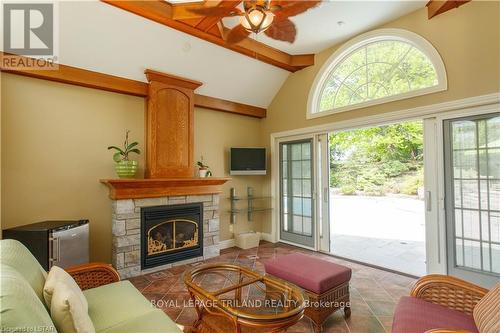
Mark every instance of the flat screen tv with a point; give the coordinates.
(248, 161)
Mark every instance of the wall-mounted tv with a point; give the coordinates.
(248, 161)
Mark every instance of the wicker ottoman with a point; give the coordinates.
(326, 283)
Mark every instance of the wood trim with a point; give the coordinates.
(228, 106)
(170, 79)
(81, 77)
(161, 12)
(436, 7)
(154, 188)
(90, 79)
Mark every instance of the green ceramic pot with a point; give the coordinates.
(126, 169)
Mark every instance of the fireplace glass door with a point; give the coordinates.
(172, 235)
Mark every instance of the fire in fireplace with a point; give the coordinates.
(171, 233)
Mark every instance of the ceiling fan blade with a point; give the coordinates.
(283, 30)
(216, 11)
(237, 34)
(284, 9)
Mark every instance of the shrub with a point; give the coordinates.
(371, 189)
(371, 177)
(412, 183)
(394, 168)
(348, 189)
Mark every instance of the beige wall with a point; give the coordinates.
(467, 40)
(53, 147)
(54, 139)
(215, 133)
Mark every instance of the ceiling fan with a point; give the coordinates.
(268, 16)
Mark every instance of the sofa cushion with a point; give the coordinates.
(487, 311)
(20, 308)
(152, 322)
(16, 255)
(116, 305)
(69, 311)
(308, 272)
(414, 315)
(56, 277)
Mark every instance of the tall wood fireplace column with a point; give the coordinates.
(169, 126)
(169, 175)
(169, 146)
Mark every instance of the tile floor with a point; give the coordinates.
(373, 296)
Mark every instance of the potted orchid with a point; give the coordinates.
(125, 168)
(203, 169)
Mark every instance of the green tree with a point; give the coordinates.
(368, 159)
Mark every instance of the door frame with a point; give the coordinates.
(436, 247)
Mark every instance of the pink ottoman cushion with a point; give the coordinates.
(308, 272)
(414, 315)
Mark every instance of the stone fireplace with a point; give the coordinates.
(127, 256)
(170, 217)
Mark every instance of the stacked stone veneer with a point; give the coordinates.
(126, 254)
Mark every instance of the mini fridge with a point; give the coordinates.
(60, 243)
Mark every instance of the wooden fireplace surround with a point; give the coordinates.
(169, 169)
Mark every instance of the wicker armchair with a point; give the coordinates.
(450, 292)
(93, 275)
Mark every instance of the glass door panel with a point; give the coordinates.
(472, 168)
(296, 184)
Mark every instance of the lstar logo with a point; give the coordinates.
(29, 28)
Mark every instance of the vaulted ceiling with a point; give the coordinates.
(101, 37)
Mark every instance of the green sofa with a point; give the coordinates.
(116, 307)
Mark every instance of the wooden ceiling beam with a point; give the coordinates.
(182, 11)
(161, 12)
(90, 79)
(228, 106)
(436, 7)
(78, 77)
(208, 22)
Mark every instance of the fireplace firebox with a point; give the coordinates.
(171, 233)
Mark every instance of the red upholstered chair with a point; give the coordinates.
(438, 304)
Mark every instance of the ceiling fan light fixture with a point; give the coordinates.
(257, 19)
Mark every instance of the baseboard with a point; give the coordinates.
(267, 237)
(225, 244)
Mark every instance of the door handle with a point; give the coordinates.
(54, 255)
(427, 199)
(326, 194)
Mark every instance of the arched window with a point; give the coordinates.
(377, 67)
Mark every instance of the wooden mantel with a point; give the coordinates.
(154, 188)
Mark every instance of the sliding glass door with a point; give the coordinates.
(296, 192)
(472, 172)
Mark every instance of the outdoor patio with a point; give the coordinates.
(387, 231)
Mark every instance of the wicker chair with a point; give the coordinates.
(449, 292)
(93, 275)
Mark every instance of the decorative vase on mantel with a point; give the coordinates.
(124, 167)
